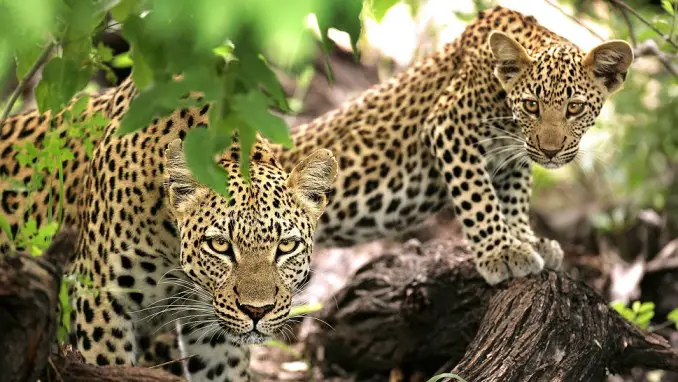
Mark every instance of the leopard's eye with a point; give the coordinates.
(531, 106)
(287, 247)
(218, 245)
(574, 108)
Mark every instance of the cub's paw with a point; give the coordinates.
(550, 251)
(517, 260)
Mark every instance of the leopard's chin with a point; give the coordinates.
(250, 338)
(253, 337)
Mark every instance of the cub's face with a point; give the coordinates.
(250, 252)
(555, 94)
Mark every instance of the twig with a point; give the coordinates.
(650, 48)
(666, 258)
(56, 371)
(623, 5)
(629, 24)
(556, 6)
(22, 84)
(171, 362)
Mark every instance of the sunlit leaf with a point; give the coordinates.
(201, 162)
(253, 108)
(379, 8)
(668, 6)
(5, 227)
(61, 79)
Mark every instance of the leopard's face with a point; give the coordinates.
(251, 252)
(556, 94)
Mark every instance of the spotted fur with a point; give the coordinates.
(462, 128)
(158, 246)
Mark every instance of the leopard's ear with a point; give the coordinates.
(609, 63)
(510, 58)
(179, 183)
(312, 179)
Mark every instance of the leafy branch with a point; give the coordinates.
(22, 83)
(648, 48)
(623, 5)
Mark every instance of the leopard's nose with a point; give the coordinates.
(256, 313)
(550, 153)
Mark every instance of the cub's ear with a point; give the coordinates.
(510, 58)
(179, 184)
(609, 62)
(312, 178)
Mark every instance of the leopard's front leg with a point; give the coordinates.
(513, 185)
(499, 254)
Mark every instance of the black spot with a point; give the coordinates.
(88, 312)
(195, 364)
(137, 297)
(101, 360)
(150, 267)
(126, 281)
(233, 362)
(97, 333)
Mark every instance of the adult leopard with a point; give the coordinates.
(154, 240)
(462, 127)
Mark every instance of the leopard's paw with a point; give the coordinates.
(517, 260)
(550, 251)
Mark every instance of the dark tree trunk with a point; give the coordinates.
(427, 310)
(29, 288)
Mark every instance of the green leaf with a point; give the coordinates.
(646, 307)
(158, 100)
(673, 316)
(201, 161)
(643, 319)
(61, 79)
(5, 227)
(668, 7)
(379, 8)
(25, 57)
(635, 306)
(343, 15)
(247, 136)
(80, 105)
(253, 109)
(65, 310)
(123, 9)
(304, 309)
(103, 53)
(122, 60)
(254, 71)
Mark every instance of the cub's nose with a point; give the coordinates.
(256, 313)
(549, 152)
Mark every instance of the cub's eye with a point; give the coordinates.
(286, 247)
(574, 108)
(531, 106)
(218, 245)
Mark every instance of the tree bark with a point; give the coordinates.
(29, 288)
(428, 310)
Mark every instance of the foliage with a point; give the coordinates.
(640, 313)
(210, 47)
(673, 317)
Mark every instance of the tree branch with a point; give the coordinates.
(640, 17)
(22, 84)
(576, 20)
(427, 310)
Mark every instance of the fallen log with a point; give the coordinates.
(426, 309)
(29, 288)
